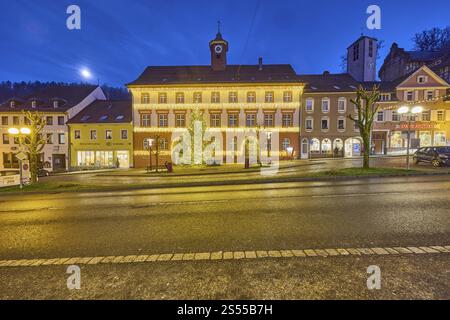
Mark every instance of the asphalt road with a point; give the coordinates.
(410, 211)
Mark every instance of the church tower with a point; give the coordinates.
(219, 49)
(362, 59)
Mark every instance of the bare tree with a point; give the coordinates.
(432, 40)
(366, 104)
(34, 143)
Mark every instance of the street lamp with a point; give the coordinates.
(410, 112)
(150, 145)
(20, 133)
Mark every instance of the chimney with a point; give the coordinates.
(260, 62)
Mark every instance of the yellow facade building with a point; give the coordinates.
(101, 136)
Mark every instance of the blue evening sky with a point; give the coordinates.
(120, 38)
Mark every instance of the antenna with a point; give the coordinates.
(218, 26)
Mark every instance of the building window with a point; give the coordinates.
(430, 95)
(421, 79)
(124, 134)
(395, 116)
(268, 120)
(326, 146)
(216, 120)
(251, 97)
(426, 116)
(233, 97)
(233, 120)
(27, 121)
(341, 124)
(215, 97)
(342, 105)
(325, 124)
(397, 139)
(440, 115)
(269, 97)
(33, 104)
(163, 144)
(55, 104)
(198, 97)
(4, 121)
(86, 158)
(12, 104)
(108, 135)
(440, 139)
(61, 121)
(251, 120)
(179, 98)
(49, 121)
(425, 139)
(385, 97)
(309, 124)
(162, 98)
(49, 138)
(163, 121)
(370, 48)
(5, 138)
(287, 120)
(325, 105)
(286, 144)
(410, 96)
(287, 96)
(16, 120)
(93, 134)
(77, 135)
(180, 120)
(104, 158)
(145, 119)
(145, 98)
(309, 105)
(61, 138)
(356, 52)
(380, 116)
(315, 146)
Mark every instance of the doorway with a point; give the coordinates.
(59, 162)
(123, 157)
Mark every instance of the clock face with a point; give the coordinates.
(218, 49)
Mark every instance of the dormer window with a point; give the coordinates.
(12, 104)
(33, 104)
(55, 104)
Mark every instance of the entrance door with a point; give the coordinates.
(124, 160)
(305, 149)
(59, 162)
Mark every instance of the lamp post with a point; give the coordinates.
(20, 133)
(150, 144)
(410, 112)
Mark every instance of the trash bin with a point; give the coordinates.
(169, 167)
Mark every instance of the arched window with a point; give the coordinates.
(315, 146)
(305, 146)
(338, 147)
(326, 146)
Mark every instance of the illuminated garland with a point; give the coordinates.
(408, 103)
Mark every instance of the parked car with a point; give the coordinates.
(437, 156)
(43, 173)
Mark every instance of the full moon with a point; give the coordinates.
(86, 73)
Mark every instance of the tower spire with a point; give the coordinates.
(218, 26)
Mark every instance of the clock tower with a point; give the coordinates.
(219, 49)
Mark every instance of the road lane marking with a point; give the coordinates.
(229, 255)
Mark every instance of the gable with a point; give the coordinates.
(431, 80)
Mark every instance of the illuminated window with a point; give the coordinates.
(326, 146)
(233, 120)
(215, 97)
(286, 144)
(77, 134)
(145, 98)
(233, 97)
(251, 97)
(269, 97)
(216, 120)
(440, 115)
(315, 146)
(269, 120)
(179, 98)
(108, 135)
(287, 120)
(124, 134)
(93, 134)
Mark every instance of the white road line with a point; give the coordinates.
(230, 255)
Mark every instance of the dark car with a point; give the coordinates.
(43, 173)
(437, 156)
